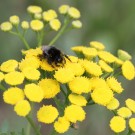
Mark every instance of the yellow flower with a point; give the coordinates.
(74, 113)
(97, 45)
(73, 59)
(78, 48)
(25, 25)
(9, 66)
(80, 85)
(64, 75)
(118, 61)
(61, 125)
(14, 20)
(130, 103)
(14, 78)
(55, 24)
(114, 84)
(34, 9)
(106, 56)
(63, 9)
(118, 124)
(50, 87)
(49, 15)
(1, 76)
(77, 24)
(105, 66)
(47, 114)
(33, 92)
(124, 112)
(13, 95)
(132, 124)
(74, 12)
(128, 70)
(22, 108)
(31, 73)
(6, 26)
(102, 96)
(38, 16)
(77, 99)
(36, 25)
(113, 104)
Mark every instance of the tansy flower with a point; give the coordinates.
(74, 59)
(74, 113)
(118, 124)
(63, 9)
(34, 9)
(36, 25)
(38, 16)
(6, 26)
(1, 76)
(25, 25)
(80, 85)
(114, 84)
(9, 66)
(128, 70)
(64, 75)
(130, 104)
(77, 99)
(14, 20)
(49, 15)
(50, 87)
(105, 66)
(55, 24)
(118, 61)
(132, 124)
(31, 73)
(77, 48)
(47, 114)
(97, 45)
(113, 104)
(13, 95)
(124, 112)
(61, 125)
(74, 12)
(102, 96)
(33, 92)
(77, 24)
(14, 78)
(22, 108)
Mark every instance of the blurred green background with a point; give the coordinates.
(110, 22)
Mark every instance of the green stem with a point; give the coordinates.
(57, 101)
(40, 40)
(54, 132)
(33, 125)
(2, 87)
(129, 132)
(91, 103)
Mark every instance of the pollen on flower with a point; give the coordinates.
(113, 104)
(124, 112)
(1, 76)
(132, 124)
(36, 25)
(6, 26)
(74, 12)
(97, 45)
(55, 24)
(130, 103)
(63, 9)
(34, 9)
(14, 20)
(47, 114)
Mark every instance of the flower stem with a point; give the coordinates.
(2, 87)
(129, 132)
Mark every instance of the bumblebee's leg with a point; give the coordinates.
(50, 62)
(67, 57)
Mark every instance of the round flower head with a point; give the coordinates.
(118, 61)
(97, 45)
(74, 113)
(22, 108)
(124, 112)
(36, 25)
(77, 24)
(6, 26)
(64, 75)
(14, 78)
(50, 87)
(34, 9)
(113, 104)
(74, 12)
(118, 124)
(25, 25)
(102, 96)
(80, 85)
(73, 59)
(132, 124)
(130, 104)
(31, 73)
(33, 92)
(49, 15)
(38, 16)
(13, 95)
(47, 114)
(105, 66)
(61, 125)
(1, 76)
(9, 66)
(14, 20)
(63, 9)
(128, 70)
(55, 24)
(114, 84)
(77, 99)
(78, 48)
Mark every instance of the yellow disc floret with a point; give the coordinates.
(55, 24)
(113, 104)
(77, 24)
(124, 112)
(1, 76)
(25, 25)
(132, 124)
(34, 9)
(63, 9)
(14, 20)
(74, 12)
(130, 103)
(36, 25)
(6, 26)
(97, 45)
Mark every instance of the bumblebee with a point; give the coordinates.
(54, 56)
